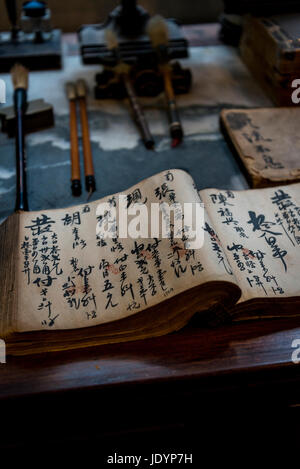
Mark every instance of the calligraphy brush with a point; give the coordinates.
(90, 182)
(19, 76)
(75, 162)
(158, 32)
(122, 69)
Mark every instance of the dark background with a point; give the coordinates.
(70, 14)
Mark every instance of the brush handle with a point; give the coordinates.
(90, 182)
(75, 161)
(138, 113)
(20, 103)
(176, 130)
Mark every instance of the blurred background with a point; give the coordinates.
(68, 15)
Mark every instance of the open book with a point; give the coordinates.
(64, 285)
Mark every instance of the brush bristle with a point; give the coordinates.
(111, 39)
(158, 31)
(122, 68)
(81, 88)
(19, 75)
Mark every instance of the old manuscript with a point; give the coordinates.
(67, 277)
(266, 142)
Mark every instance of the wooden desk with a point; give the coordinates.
(165, 384)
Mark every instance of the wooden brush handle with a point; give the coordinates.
(90, 182)
(75, 162)
(138, 113)
(87, 150)
(175, 124)
(20, 98)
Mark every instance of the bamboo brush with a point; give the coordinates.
(19, 76)
(159, 36)
(90, 182)
(123, 69)
(75, 161)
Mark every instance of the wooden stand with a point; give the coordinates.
(133, 49)
(146, 81)
(35, 56)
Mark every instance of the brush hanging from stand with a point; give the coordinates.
(129, 22)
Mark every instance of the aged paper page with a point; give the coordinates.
(260, 233)
(69, 277)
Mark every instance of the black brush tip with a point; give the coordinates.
(76, 187)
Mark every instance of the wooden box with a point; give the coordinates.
(270, 47)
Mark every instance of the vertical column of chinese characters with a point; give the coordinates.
(76, 288)
(41, 263)
(177, 232)
(120, 266)
(108, 288)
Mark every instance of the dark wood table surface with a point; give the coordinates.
(162, 386)
(226, 357)
(152, 385)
